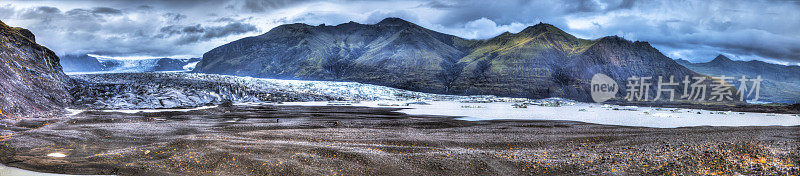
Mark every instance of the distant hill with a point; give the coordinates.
(538, 62)
(32, 83)
(81, 63)
(86, 63)
(781, 83)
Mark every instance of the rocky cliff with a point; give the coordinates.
(32, 83)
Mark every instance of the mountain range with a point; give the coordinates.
(781, 83)
(538, 62)
(31, 80)
(86, 63)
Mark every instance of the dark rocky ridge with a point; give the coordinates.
(781, 83)
(32, 83)
(538, 62)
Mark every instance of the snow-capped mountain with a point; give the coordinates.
(88, 63)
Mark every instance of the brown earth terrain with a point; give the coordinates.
(307, 140)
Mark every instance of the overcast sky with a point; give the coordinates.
(693, 30)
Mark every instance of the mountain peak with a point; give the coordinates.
(721, 59)
(613, 39)
(541, 28)
(392, 21)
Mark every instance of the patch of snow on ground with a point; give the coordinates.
(591, 113)
(73, 112)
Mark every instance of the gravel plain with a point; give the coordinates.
(329, 140)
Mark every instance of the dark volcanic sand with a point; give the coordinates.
(246, 140)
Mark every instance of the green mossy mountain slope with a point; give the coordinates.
(540, 61)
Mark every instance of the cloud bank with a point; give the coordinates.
(693, 30)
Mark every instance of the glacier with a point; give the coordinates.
(158, 90)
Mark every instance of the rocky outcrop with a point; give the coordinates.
(32, 83)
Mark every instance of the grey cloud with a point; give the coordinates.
(179, 29)
(45, 9)
(230, 29)
(97, 11)
(174, 17)
(193, 29)
(625, 4)
(195, 33)
(584, 6)
(106, 10)
(264, 5)
(6, 11)
(224, 19)
(42, 12)
(46, 13)
(230, 19)
(440, 4)
(90, 14)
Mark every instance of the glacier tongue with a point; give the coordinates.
(176, 90)
(190, 66)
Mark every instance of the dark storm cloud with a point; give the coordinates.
(47, 10)
(230, 29)
(106, 10)
(43, 12)
(264, 5)
(195, 33)
(178, 29)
